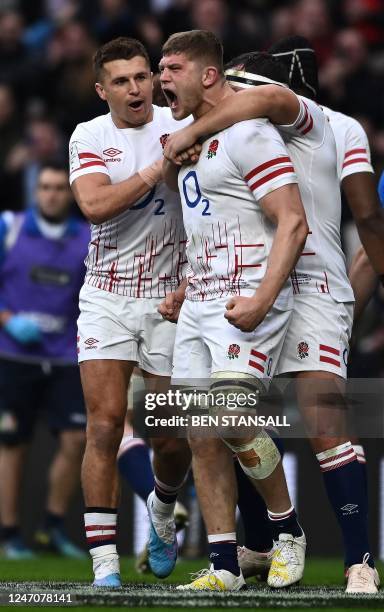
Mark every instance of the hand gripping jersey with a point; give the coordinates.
(311, 146)
(229, 236)
(141, 252)
(353, 153)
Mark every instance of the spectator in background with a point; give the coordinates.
(42, 268)
(42, 142)
(69, 84)
(11, 132)
(17, 68)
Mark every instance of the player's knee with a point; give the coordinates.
(259, 457)
(235, 391)
(105, 434)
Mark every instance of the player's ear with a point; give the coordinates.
(100, 91)
(210, 76)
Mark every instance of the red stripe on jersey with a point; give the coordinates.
(304, 121)
(259, 355)
(330, 360)
(93, 163)
(357, 160)
(329, 349)
(256, 365)
(100, 527)
(309, 127)
(271, 176)
(354, 151)
(272, 162)
(89, 156)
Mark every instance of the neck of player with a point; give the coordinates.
(212, 97)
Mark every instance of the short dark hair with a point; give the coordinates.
(197, 44)
(262, 64)
(118, 48)
(57, 166)
(299, 57)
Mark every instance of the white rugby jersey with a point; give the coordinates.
(229, 236)
(311, 146)
(353, 152)
(141, 252)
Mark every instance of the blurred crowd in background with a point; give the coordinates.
(47, 81)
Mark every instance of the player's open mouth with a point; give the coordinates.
(137, 105)
(171, 98)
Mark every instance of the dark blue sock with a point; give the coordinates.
(284, 523)
(223, 555)
(253, 511)
(347, 494)
(135, 467)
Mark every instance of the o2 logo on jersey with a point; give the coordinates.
(192, 193)
(159, 210)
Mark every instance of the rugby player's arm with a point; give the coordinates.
(284, 208)
(170, 173)
(363, 280)
(279, 104)
(360, 191)
(100, 201)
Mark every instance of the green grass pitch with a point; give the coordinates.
(321, 588)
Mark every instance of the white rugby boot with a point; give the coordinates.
(253, 563)
(362, 578)
(288, 561)
(214, 580)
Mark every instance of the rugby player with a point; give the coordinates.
(316, 345)
(136, 255)
(246, 227)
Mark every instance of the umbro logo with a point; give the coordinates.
(349, 509)
(90, 342)
(111, 152)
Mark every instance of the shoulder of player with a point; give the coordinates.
(341, 121)
(92, 127)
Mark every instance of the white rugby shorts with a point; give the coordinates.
(206, 343)
(318, 336)
(112, 326)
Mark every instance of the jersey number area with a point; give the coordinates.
(159, 203)
(192, 194)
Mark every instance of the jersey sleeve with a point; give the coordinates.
(259, 153)
(357, 155)
(85, 154)
(309, 124)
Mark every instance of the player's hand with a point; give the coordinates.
(190, 156)
(245, 313)
(178, 142)
(170, 307)
(22, 329)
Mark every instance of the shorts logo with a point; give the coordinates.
(269, 366)
(163, 140)
(302, 350)
(111, 152)
(91, 342)
(233, 351)
(213, 146)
